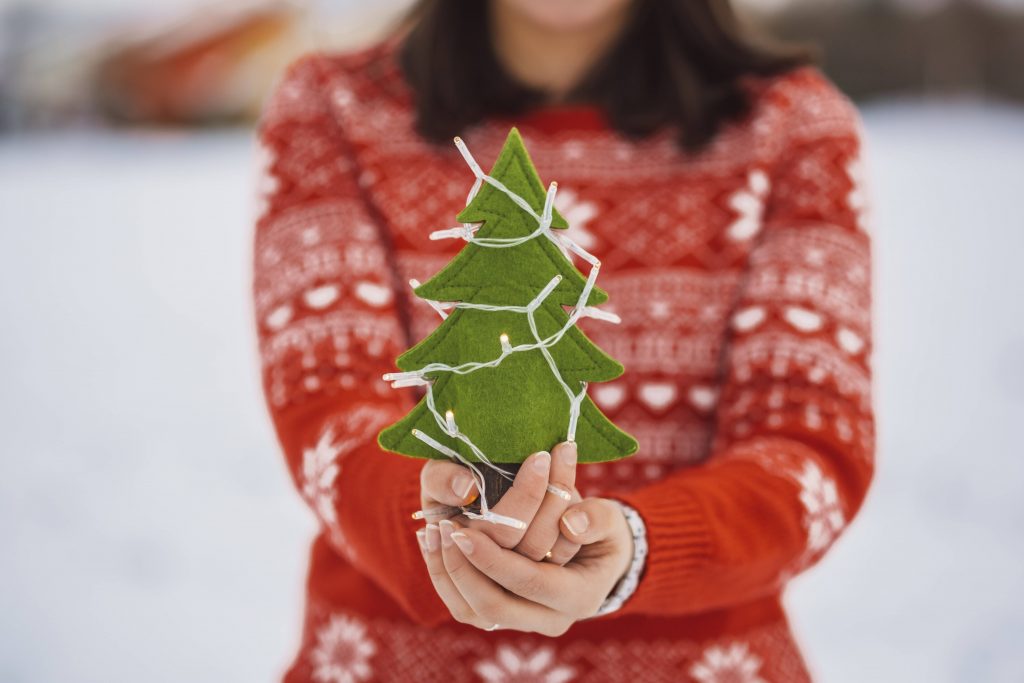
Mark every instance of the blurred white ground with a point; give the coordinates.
(149, 532)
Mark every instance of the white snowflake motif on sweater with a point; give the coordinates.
(342, 652)
(514, 666)
(748, 203)
(733, 663)
(578, 213)
(857, 199)
(266, 183)
(321, 466)
(319, 470)
(824, 516)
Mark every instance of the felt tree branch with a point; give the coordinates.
(507, 369)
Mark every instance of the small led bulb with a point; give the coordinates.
(505, 345)
(449, 417)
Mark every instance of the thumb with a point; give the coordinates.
(446, 483)
(592, 520)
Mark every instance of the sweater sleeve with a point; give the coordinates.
(329, 325)
(792, 456)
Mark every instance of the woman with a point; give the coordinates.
(718, 184)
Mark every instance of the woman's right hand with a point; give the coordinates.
(444, 484)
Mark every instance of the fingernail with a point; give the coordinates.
(462, 485)
(446, 533)
(462, 540)
(542, 462)
(567, 453)
(421, 537)
(433, 538)
(576, 521)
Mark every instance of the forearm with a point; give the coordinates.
(363, 497)
(739, 527)
(324, 346)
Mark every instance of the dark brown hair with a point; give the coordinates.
(675, 63)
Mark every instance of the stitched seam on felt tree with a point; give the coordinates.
(518, 405)
(599, 360)
(610, 441)
(479, 210)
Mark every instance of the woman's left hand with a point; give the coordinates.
(490, 587)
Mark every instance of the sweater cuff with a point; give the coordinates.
(679, 548)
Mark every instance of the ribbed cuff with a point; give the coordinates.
(679, 548)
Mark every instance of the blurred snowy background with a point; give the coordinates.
(148, 529)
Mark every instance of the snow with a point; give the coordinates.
(927, 583)
(148, 525)
(149, 529)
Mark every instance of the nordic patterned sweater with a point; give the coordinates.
(742, 278)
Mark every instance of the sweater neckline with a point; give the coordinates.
(555, 118)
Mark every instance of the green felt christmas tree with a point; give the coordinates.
(518, 407)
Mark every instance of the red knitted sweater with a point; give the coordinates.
(742, 278)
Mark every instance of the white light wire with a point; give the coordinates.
(467, 232)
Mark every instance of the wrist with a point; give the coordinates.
(635, 562)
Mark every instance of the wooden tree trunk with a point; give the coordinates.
(496, 485)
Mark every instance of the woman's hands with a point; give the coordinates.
(446, 485)
(488, 575)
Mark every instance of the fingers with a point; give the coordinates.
(562, 551)
(445, 483)
(542, 534)
(430, 544)
(556, 588)
(489, 602)
(521, 501)
(592, 520)
(607, 543)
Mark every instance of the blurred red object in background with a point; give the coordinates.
(213, 66)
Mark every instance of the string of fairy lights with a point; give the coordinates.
(420, 377)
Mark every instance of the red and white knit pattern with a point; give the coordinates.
(742, 276)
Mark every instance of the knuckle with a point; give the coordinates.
(561, 557)
(490, 611)
(528, 587)
(531, 549)
(505, 537)
(487, 566)
(428, 473)
(578, 606)
(607, 509)
(556, 629)
(571, 551)
(436, 572)
(457, 573)
(588, 607)
(463, 615)
(532, 489)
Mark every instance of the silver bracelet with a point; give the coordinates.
(627, 585)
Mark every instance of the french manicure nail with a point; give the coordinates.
(542, 462)
(433, 538)
(567, 453)
(446, 533)
(462, 540)
(576, 521)
(462, 485)
(421, 538)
